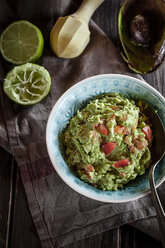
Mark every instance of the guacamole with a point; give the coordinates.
(107, 143)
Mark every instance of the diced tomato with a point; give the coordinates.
(108, 147)
(122, 118)
(112, 117)
(115, 107)
(123, 174)
(102, 129)
(132, 149)
(88, 175)
(122, 163)
(121, 130)
(89, 168)
(139, 144)
(148, 132)
(133, 128)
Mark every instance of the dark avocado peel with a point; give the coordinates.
(141, 26)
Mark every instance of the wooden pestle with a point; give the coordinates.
(70, 35)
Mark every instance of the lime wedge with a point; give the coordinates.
(27, 84)
(21, 42)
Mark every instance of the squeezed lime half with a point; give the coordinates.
(27, 84)
(21, 42)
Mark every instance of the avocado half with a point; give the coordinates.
(141, 26)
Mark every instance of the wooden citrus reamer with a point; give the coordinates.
(70, 34)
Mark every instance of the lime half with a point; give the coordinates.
(21, 42)
(27, 84)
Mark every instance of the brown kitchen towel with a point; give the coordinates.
(61, 215)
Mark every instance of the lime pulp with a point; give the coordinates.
(27, 84)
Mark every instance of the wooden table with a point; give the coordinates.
(16, 225)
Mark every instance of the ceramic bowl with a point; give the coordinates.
(75, 98)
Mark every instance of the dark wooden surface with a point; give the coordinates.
(16, 225)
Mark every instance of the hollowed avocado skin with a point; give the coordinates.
(142, 59)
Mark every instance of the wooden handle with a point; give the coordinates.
(86, 9)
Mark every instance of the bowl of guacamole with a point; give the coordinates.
(107, 143)
(99, 140)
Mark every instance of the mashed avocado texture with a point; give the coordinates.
(107, 143)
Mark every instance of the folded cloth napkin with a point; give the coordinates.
(61, 215)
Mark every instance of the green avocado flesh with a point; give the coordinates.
(106, 143)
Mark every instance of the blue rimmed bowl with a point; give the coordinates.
(75, 98)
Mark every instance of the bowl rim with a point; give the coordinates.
(79, 83)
